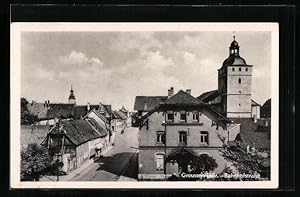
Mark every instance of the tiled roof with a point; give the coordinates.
(184, 101)
(108, 109)
(121, 115)
(102, 131)
(208, 96)
(265, 110)
(78, 131)
(81, 110)
(102, 117)
(181, 97)
(60, 110)
(253, 133)
(147, 103)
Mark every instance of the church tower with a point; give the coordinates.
(72, 99)
(235, 84)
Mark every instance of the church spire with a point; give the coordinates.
(72, 99)
(234, 47)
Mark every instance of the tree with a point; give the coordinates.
(248, 162)
(203, 163)
(34, 160)
(26, 117)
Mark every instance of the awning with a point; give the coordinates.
(182, 153)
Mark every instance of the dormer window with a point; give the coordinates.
(183, 116)
(170, 116)
(195, 116)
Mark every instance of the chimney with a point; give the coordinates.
(266, 123)
(101, 109)
(189, 91)
(254, 118)
(170, 92)
(88, 107)
(45, 104)
(145, 106)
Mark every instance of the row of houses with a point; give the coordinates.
(74, 133)
(177, 128)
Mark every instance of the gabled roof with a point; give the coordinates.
(253, 103)
(208, 96)
(147, 103)
(265, 111)
(78, 131)
(121, 115)
(102, 131)
(185, 101)
(102, 117)
(181, 97)
(253, 133)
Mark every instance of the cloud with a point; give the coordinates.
(78, 60)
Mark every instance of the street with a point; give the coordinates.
(120, 161)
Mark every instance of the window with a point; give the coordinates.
(195, 116)
(182, 116)
(233, 69)
(240, 69)
(170, 117)
(204, 137)
(182, 137)
(160, 137)
(246, 69)
(240, 81)
(159, 161)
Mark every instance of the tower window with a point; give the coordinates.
(240, 81)
(240, 69)
(233, 69)
(246, 69)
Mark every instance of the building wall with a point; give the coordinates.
(148, 147)
(255, 111)
(82, 153)
(238, 101)
(33, 134)
(148, 137)
(147, 162)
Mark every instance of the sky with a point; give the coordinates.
(114, 67)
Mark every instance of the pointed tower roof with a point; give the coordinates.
(72, 96)
(234, 55)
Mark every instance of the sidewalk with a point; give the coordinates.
(76, 171)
